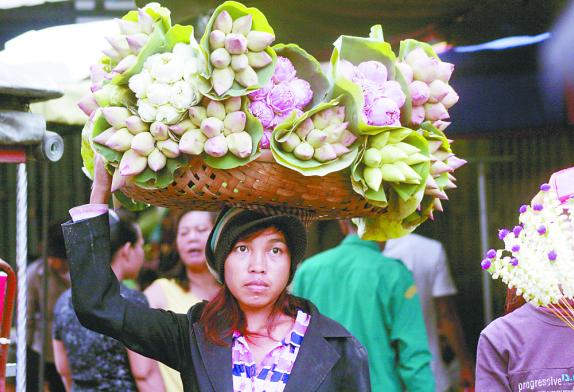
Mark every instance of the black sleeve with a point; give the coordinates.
(155, 333)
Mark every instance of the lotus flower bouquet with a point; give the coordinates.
(538, 254)
(163, 106)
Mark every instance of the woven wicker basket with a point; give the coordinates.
(258, 185)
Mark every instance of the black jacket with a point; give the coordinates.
(330, 358)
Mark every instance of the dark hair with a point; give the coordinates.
(56, 247)
(172, 267)
(222, 315)
(122, 231)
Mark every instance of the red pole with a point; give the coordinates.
(7, 300)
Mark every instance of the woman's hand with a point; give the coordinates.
(102, 183)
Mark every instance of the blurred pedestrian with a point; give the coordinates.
(89, 361)
(376, 299)
(426, 259)
(58, 281)
(188, 281)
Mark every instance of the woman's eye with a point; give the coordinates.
(242, 248)
(276, 251)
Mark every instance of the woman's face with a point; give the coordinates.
(257, 269)
(192, 233)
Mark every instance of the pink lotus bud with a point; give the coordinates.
(265, 142)
(258, 59)
(431, 183)
(438, 90)
(118, 181)
(135, 125)
(136, 42)
(417, 115)
(304, 128)
(126, 63)
(415, 56)
(393, 90)
(348, 138)
(168, 114)
(374, 71)
(159, 130)
(392, 154)
(416, 158)
(156, 160)
(439, 167)
(304, 151)
(435, 111)
(435, 193)
(450, 98)
(116, 116)
(340, 114)
(263, 112)
(302, 92)
(434, 146)
(192, 142)
(239, 62)
(373, 177)
(437, 206)
(223, 22)
(290, 142)
(119, 44)
(128, 27)
(145, 21)
(335, 132)
(325, 153)
(425, 70)
(97, 73)
(384, 111)
(88, 104)
(442, 155)
(340, 149)
(324, 118)
(450, 185)
(240, 144)
(197, 114)
(103, 137)
(419, 92)
(455, 162)
(346, 69)
(284, 70)
(146, 111)
(242, 25)
(235, 43)
(181, 127)
(441, 125)
(120, 141)
(132, 163)
(222, 80)
(112, 54)
(216, 146)
(216, 39)
(220, 58)
(411, 176)
(216, 109)
(235, 121)
(143, 143)
(169, 148)
(232, 104)
(444, 71)
(211, 127)
(247, 77)
(316, 138)
(406, 71)
(259, 40)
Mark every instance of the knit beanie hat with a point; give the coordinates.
(233, 223)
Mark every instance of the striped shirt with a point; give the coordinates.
(275, 368)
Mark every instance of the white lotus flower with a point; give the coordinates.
(183, 96)
(169, 69)
(139, 83)
(146, 111)
(158, 93)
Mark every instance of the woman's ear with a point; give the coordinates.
(125, 251)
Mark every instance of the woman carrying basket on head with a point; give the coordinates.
(252, 336)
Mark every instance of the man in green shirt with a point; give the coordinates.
(376, 299)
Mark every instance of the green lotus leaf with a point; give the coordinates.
(259, 23)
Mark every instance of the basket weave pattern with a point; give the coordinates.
(258, 185)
